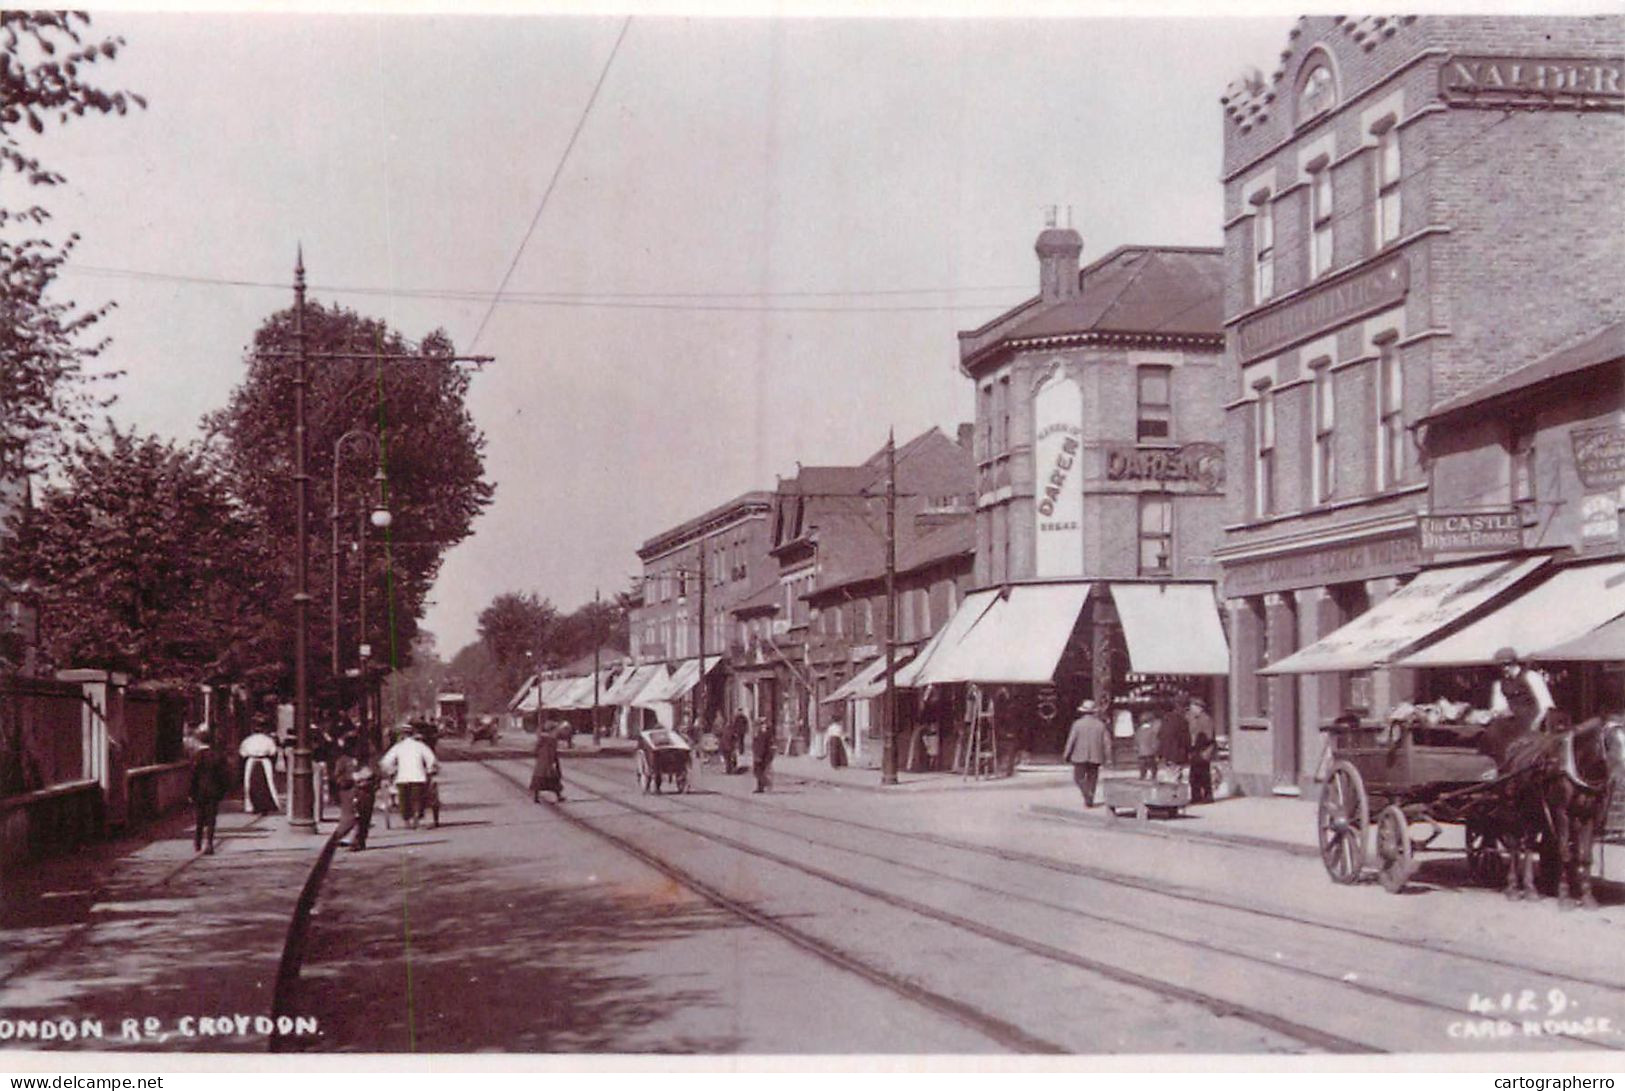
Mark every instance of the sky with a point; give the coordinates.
(758, 252)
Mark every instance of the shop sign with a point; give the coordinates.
(1561, 83)
(1599, 455)
(1471, 532)
(1199, 463)
(1365, 292)
(1599, 518)
(1339, 564)
(1058, 491)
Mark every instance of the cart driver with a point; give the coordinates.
(1520, 692)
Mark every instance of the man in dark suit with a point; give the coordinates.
(210, 782)
(761, 757)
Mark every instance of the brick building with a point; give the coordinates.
(726, 548)
(1099, 490)
(828, 527)
(1411, 212)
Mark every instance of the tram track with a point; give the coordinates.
(1307, 1036)
(1198, 944)
(1163, 888)
(1203, 944)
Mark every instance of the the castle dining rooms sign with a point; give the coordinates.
(1366, 292)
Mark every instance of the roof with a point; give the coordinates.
(954, 537)
(840, 480)
(765, 598)
(1145, 290)
(1601, 347)
(682, 532)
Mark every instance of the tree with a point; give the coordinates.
(47, 396)
(518, 632)
(143, 561)
(597, 624)
(432, 457)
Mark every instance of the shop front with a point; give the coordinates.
(1026, 655)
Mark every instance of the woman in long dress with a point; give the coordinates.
(546, 775)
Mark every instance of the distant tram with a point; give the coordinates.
(451, 709)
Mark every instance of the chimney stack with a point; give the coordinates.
(1058, 251)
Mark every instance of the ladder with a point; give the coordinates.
(982, 741)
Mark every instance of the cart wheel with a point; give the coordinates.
(1393, 849)
(1485, 861)
(434, 808)
(1343, 820)
(643, 773)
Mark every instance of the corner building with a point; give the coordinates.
(1414, 207)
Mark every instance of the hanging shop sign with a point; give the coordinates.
(1549, 83)
(1201, 464)
(1058, 489)
(1599, 455)
(1599, 519)
(1340, 301)
(1471, 532)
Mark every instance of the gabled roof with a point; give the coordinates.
(1605, 345)
(1146, 291)
(954, 537)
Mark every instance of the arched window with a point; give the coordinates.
(1317, 91)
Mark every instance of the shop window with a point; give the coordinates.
(1390, 416)
(1521, 455)
(1259, 619)
(1156, 535)
(1387, 179)
(1264, 452)
(1156, 402)
(1320, 218)
(1263, 247)
(1325, 451)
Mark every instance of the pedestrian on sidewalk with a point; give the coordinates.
(1086, 748)
(1174, 738)
(1147, 743)
(210, 782)
(835, 745)
(761, 757)
(259, 751)
(733, 742)
(546, 775)
(411, 763)
(1202, 768)
(357, 792)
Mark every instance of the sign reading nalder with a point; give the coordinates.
(1472, 532)
(1569, 83)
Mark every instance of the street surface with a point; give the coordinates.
(815, 919)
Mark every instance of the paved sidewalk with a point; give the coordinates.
(142, 928)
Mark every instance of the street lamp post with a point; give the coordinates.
(380, 517)
(302, 802)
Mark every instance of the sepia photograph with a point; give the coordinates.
(813, 537)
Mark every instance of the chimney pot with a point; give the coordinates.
(1058, 251)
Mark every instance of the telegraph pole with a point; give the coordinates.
(888, 760)
(699, 687)
(597, 642)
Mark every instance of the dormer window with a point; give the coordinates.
(1317, 94)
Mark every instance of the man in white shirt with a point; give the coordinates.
(411, 763)
(1520, 692)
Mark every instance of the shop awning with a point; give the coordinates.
(550, 691)
(908, 675)
(580, 695)
(526, 699)
(1014, 637)
(1604, 644)
(629, 683)
(1434, 599)
(1172, 628)
(1564, 608)
(868, 682)
(677, 684)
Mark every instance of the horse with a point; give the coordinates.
(1555, 784)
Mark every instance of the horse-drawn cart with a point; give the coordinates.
(1416, 770)
(663, 755)
(1404, 774)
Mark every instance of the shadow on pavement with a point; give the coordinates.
(459, 956)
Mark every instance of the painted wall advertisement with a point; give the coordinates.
(1058, 486)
